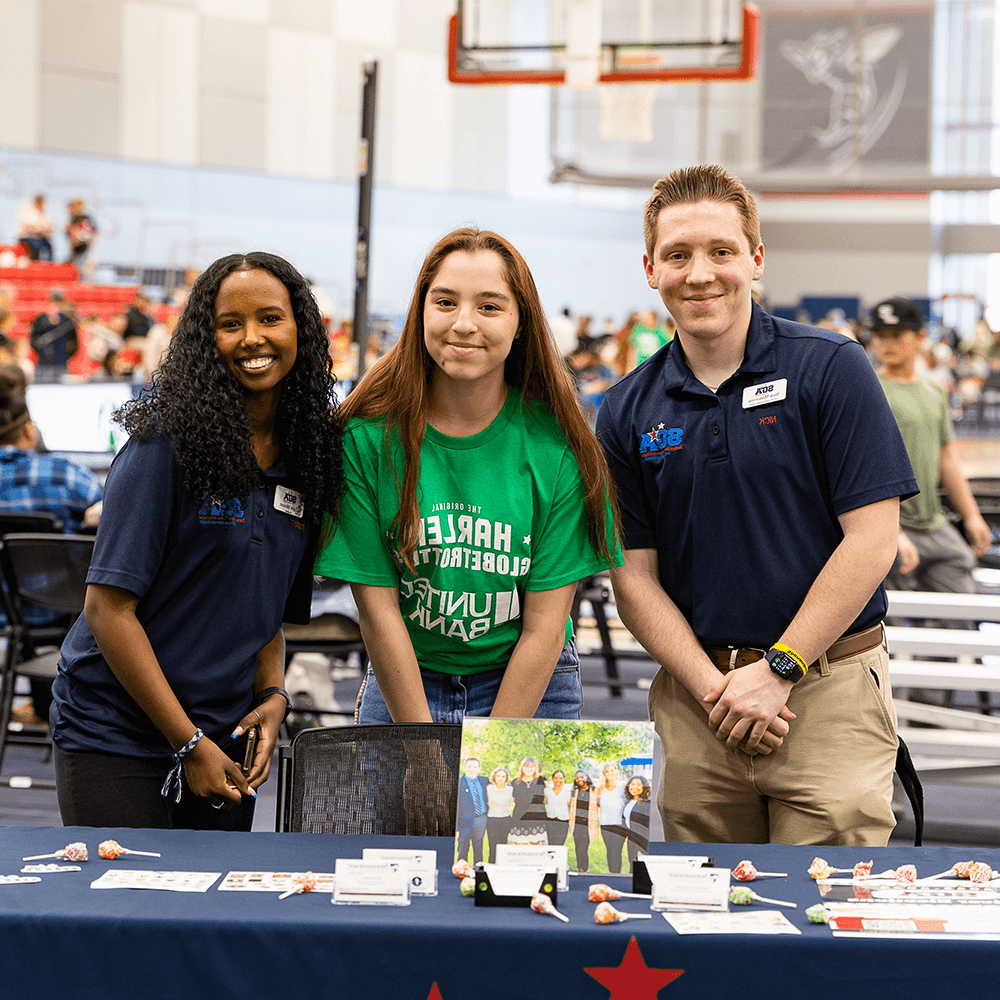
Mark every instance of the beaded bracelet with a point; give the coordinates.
(174, 777)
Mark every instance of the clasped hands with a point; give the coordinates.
(746, 708)
(210, 772)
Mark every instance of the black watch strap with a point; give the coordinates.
(262, 696)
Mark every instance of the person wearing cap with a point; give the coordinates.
(758, 470)
(932, 554)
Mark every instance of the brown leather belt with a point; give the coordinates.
(730, 657)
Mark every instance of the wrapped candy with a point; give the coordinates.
(961, 869)
(462, 869)
(305, 882)
(541, 903)
(817, 914)
(111, 849)
(605, 913)
(71, 852)
(906, 873)
(599, 892)
(863, 869)
(820, 869)
(468, 885)
(980, 872)
(746, 872)
(742, 896)
(861, 892)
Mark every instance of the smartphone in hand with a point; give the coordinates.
(253, 735)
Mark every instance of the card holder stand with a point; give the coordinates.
(641, 881)
(486, 895)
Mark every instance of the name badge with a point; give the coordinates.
(374, 883)
(766, 392)
(288, 501)
(420, 867)
(692, 889)
(551, 858)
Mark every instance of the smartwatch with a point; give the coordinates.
(783, 665)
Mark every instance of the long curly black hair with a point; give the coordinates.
(196, 401)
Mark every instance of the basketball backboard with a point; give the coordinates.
(589, 42)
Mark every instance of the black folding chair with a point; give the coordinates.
(48, 571)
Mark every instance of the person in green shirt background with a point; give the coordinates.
(475, 498)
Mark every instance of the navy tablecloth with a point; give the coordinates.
(59, 938)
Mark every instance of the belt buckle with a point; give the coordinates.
(734, 652)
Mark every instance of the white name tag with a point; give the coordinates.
(419, 866)
(550, 858)
(691, 889)
(372, 882)
(288, 501)
(766, 392)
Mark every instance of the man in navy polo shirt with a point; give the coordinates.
(759, 472)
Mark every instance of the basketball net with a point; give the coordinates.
(627, 111)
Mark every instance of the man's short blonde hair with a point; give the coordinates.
(706, 182)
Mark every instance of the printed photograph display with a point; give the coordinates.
(584, 784)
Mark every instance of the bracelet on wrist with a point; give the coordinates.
(782, 648)
(173, 779)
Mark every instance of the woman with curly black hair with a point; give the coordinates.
(211, 518)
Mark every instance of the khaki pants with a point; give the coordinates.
(830, 782)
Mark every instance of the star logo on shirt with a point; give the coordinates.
(633, 979)
(527, 539)
(660, 427)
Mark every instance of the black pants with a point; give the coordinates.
(497, 829)
(557, 830)
(614, 841)
(102, 789)
(581, 839)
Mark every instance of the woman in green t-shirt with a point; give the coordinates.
(475, 498)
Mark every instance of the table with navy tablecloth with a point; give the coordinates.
(60, 938)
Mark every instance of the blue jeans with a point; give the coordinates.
(452, 696)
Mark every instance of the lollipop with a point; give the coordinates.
(541, 903)
(462, 869)
(906, 873)
(820, 869)
(71, 852)
(961, 869)
(742, 896)
(863, 869)
(468, 885)
(303, 883)
(605, 913)
(111, 849)
(746, 872)
(980, 872)
(599, 892)
(817, 914)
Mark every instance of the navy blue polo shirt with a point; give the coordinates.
(214, 584)
(739, 491)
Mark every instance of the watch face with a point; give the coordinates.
(783, 665)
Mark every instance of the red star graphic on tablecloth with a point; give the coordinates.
(633, 979)
(435, 993)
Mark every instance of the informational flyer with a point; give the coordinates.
(751, 922)
(123, 878)
(273, 881)
(928, 910)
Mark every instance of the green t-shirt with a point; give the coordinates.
(501, 512)
(648, 340)
(921, 411)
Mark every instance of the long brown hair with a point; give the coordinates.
(397, 388)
